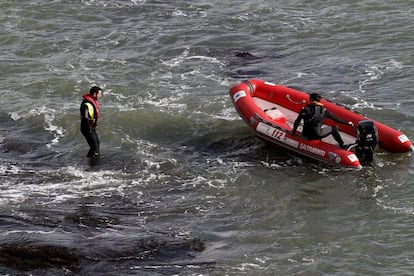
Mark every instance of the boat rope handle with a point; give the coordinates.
(295, 102)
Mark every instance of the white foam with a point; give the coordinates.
(361, 103)
(11, 232)
(114, 3)
(177, 60)
(179, 13)
(9, 169)
(174, 62)
(228, 114)
(17, 187)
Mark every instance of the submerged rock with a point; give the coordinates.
(30, 257)
(159, 248)
(245, 55)
(27, 257)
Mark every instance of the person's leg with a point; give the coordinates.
(94, 142)
(337, 136)
(91, 143)
(326, 131)
(87, 134)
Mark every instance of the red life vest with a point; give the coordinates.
(94, 103)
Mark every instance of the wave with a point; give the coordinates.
(49, 119)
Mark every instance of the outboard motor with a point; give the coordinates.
(367, 140)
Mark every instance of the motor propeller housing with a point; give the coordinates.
(367, 140)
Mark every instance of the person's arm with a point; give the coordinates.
(336, 119)
(89, 114)
(297, 122)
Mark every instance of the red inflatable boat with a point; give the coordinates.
(270, 110)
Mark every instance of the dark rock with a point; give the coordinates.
(27, 257)
(245, 55)
(30, 257)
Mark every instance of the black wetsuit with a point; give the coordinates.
(88, 127)
(313, 116)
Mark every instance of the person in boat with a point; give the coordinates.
(89, 114)
(313, 116)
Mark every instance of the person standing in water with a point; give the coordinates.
(89, 114)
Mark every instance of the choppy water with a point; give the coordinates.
(183, 187)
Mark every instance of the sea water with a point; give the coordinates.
(182, 186)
